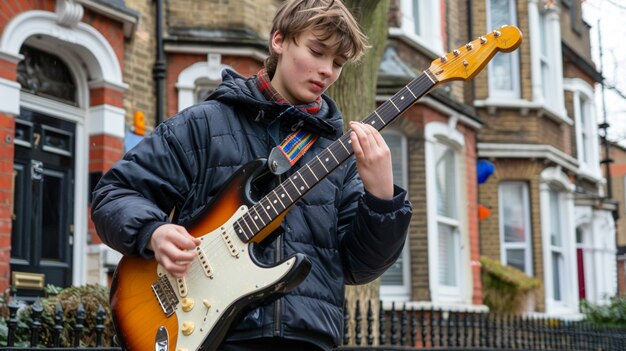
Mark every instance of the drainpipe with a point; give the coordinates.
(605, 125)
(470, 34)
(158, 71)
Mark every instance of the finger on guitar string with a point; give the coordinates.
(173, 248)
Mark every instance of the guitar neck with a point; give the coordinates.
(271, 206)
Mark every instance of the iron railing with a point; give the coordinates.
(430, 328)
(374, 329)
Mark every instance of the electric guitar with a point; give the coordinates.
(155, 311)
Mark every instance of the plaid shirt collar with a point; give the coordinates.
(271, 94)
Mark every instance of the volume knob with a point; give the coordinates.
(187, 304)
(187, 328)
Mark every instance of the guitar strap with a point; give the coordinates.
(284, 156)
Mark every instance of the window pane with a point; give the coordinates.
(557, 270)
(445, 178)
(555, 219)
(394, 275)
(546, 81)
(394, 141)
(584, 130)
(500, 13)
(502, 72)
(448, 255)
(516, 258)
(543, 35)
(514, 212)
(416, 16)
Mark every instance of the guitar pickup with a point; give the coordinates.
(230, 244)
(204, 263)
(182, 286)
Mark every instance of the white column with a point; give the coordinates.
(9, 90)
(535, 40)
(571, 275)
(553, 27)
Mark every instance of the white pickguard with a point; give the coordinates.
(231, 279)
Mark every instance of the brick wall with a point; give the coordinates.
(618, 175)
(7, 133)
(139, 58)
(253, 15)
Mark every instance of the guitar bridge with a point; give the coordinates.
(165, 295)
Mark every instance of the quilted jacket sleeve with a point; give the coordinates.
(136, 195)
(372, 231)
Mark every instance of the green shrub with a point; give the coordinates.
(613, 314)
(91, 296)
(506, 289)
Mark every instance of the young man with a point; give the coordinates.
(352, 225)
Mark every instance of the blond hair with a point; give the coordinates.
(327, 18)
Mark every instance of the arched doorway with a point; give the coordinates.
(54, 134)
(44, 171)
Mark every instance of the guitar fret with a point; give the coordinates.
(322, 163)
(428, 74)
(285, 193)
(275, 202)
(302, 179)
(243, 218)
(240, 230)
(344, 146)
(410, 91)
(333, 155)
(269, 217)
(270, 205)
(295, 186)
(257, 216)
(394, 105)
(313, 173)
(381, 119)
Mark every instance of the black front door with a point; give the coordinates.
(42, 229)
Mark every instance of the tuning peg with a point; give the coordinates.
(483, 40)
(496, 33)
(469, 46)
(456, 52)
(444, 59)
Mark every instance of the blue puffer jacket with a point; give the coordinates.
(351, 237)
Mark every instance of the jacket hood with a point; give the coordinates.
(237, 90)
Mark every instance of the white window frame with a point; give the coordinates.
(547, 18)
(437, 132)
(588, 150)
(198, 74)
(430, 25)
(527, 244)
(400, 292)
(515, 92)
(599, 250)
(554, 179)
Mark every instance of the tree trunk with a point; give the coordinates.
(355, 93)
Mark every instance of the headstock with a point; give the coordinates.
(467, 61)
